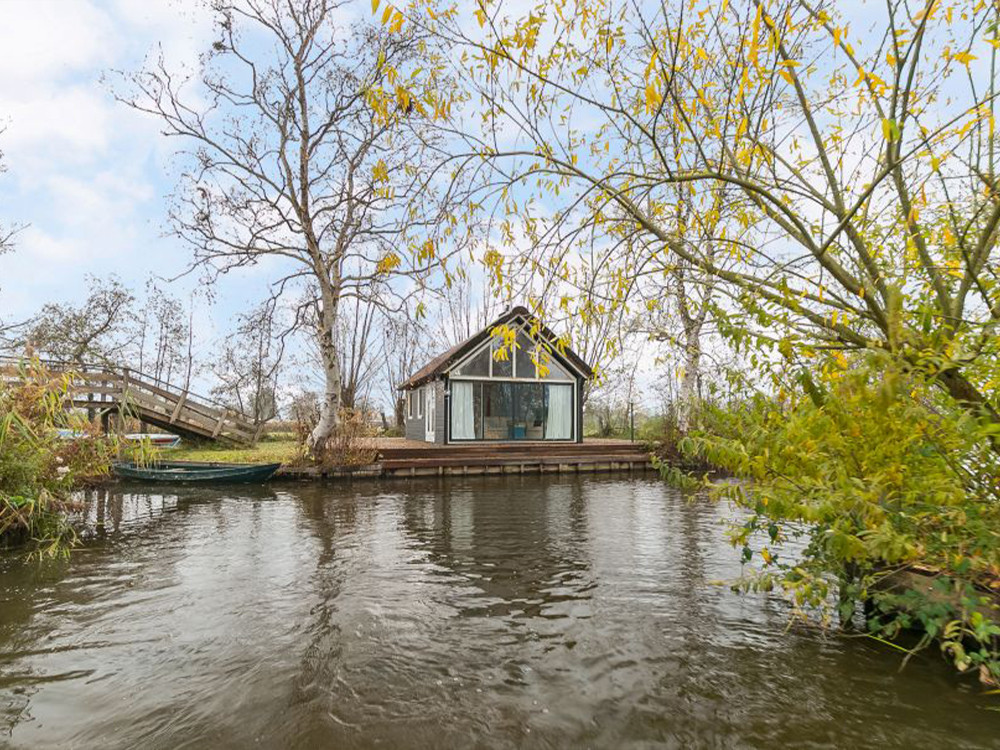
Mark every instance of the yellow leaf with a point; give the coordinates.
(387, 263)
(375, 4)
(741, 128)
(386, 14)
(653, 98)
(963, 57)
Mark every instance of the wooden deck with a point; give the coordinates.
(398, 457)
(109, 391)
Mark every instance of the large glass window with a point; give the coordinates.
(484, 410)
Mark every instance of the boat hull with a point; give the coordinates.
(189, 472)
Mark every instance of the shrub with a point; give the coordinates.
(352, 443)
(38, 466)
(878, 474)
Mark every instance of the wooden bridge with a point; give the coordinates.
(112, 391)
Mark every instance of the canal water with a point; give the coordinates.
(493, 612)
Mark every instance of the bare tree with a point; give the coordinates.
(99, 330)
(402, 354)
(470, 304)
(249, 365)
(306, 150)
(359, 354)
(163, 337)
(610, 401)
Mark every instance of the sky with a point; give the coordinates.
(87, 177)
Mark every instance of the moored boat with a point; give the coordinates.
(194, 471)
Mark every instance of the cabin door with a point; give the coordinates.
(429, 413)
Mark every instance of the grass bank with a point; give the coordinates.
(277, 448)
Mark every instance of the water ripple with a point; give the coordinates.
(496, 612)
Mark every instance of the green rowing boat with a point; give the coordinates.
(195, 471)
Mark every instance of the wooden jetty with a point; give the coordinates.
(110, 391)
(398, 457)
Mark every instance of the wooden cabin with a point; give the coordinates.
(487, 391)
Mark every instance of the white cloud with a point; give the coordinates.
(45, 40)
(86, 173)
(38, 249)
(71, 124)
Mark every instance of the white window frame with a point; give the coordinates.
(421, 399)
(409, 404)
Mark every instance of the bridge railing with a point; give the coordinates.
(104, 385)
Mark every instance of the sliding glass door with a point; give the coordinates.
(508, 410)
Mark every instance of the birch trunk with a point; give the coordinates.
(690, 391)
(330, 404)
(692, 317)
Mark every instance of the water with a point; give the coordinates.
(520, 612)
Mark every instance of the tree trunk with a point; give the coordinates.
(689, 391)
(330, 403)
(347, 400)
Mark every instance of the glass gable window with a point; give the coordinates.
(515, 362)
(503, 360)
(478, 366)
(525, 366)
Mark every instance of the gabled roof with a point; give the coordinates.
(443, 362)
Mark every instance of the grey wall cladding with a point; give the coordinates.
(415, 427)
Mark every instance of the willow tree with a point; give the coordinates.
(865, 160)
(305, 154)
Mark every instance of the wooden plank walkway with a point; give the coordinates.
(412, 459)
(110, 390)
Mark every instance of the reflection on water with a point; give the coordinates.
(499, 612)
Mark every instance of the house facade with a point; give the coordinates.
(491, 390)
